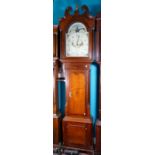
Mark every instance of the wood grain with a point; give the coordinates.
(64, 25)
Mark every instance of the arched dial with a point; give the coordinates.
(77, 41)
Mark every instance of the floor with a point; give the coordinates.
(58, 150)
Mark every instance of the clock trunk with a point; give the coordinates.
(77, 115)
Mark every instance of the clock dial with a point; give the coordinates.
(77, 41)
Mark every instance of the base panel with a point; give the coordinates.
(77, 132)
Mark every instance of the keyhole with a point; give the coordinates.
(70, 94)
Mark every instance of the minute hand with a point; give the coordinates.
(79, 43)
(77, 40)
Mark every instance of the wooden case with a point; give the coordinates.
(77, 124)
(56, 113)
(55, 69)
(65, 23)
(98, 136)
(98, 60)
(55, 41)
(77, 89)
(98, 38)
(57, 128)
(77, 109)
(78, 132)
(55, 85)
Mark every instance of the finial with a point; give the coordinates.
(77, 7)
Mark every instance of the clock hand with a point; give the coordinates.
(77, 41)
(77, 30)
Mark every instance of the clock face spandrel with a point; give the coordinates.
(77, 40)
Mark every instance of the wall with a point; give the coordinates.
(59, 7)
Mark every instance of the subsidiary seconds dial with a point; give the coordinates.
(77, 41)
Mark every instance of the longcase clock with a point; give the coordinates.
(56, 113)
(76, 54)
(98, 60)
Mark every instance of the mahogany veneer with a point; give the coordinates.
(98, 136)
(56, 128)
(56, 113)
(78, 132)
(77, 124)
(98, 60)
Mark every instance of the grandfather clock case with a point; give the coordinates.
(98, 61)
(76, 55)
(56, 113)
(78, 45)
